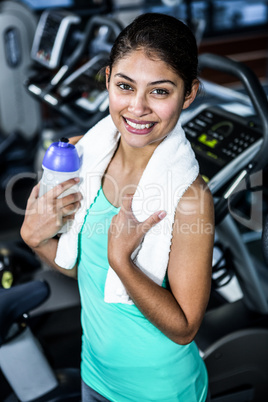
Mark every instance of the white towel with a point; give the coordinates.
(170, 171)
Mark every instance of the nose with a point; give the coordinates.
(138, 105)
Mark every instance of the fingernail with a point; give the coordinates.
(77, 179)
(162, 214)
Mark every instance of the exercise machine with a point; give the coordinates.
(232, 152)
(22, 358)
(78, 53)
(20, 114)
(66, 79)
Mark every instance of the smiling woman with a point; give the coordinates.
(146, 98)
(144, 280)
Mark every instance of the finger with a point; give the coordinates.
(152, 221)
(69, 199)
(32, 199)
(71, 209)
(56, 191)
(65, 219)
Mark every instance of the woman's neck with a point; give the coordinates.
(133, 158)
(124, 171)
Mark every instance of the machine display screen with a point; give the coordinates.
(217, 140)
(86, 86)
(208, 141)
(49, 33)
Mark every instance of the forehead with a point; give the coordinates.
(139, 63)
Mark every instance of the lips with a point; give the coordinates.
(138, 127)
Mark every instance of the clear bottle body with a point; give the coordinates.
(51, 178)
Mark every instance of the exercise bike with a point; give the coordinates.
(22, 359)
(232, 151)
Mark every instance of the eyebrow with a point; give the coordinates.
(151, 83)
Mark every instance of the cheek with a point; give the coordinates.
(168, 112)
(116, 102)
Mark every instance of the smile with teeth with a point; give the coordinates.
(139, 126)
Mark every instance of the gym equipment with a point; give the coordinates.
(20, 115)
(74, 90)
(22, 359)
(18, 263)
(52, 33)
(224, 142)
(73, 93)
(17, 29)
(233, 337)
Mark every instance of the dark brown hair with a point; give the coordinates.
(164, 37)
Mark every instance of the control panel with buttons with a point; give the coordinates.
(85, 88)
(223, 143)
(51, 36)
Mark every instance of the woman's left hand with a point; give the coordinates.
(126, 233)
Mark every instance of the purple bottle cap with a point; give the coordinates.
(61, 157)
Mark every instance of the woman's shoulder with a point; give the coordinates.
(197, 199)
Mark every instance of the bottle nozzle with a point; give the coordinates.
(64, 139)
(63, 142)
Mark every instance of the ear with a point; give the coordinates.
(191, 96)
(107, 75)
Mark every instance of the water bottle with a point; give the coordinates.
(61, 162)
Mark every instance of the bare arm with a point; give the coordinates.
(47, 253)
(43, 219)
(74, 140)
(177, 312)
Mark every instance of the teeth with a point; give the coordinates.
(139, 126)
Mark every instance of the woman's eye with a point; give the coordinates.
(124, 87)
(160, 91)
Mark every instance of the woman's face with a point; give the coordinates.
(146, 98)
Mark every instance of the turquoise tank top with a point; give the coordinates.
(124, 357)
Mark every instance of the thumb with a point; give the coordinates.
(152, 221)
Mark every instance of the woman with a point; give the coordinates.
(142, 237)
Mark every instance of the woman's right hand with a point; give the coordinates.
(45, 215)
